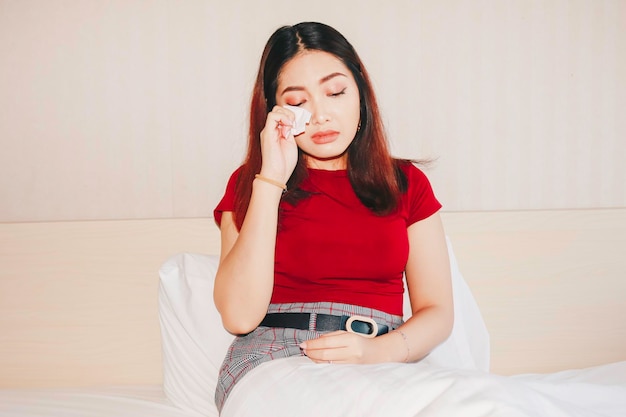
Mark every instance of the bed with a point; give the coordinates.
(103, 318)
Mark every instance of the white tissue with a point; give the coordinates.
(303, 116)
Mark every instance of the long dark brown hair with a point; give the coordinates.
(374, 174)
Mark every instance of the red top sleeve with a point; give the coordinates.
(227, 203)
(420, 201)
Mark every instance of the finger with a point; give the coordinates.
(284, 110)
(331, 340)
(278, 121)
(334, 333)
(285, 131)
(284, 119)
(337, 355)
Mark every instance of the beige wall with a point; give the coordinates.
(137, 109)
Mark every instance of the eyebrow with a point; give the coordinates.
(322, 81)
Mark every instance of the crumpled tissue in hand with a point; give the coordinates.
(303, 116)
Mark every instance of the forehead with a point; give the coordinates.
(310, 67)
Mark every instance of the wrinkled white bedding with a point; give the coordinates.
(297, 387)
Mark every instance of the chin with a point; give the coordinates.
(326, 150)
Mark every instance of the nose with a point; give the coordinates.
(319, 113)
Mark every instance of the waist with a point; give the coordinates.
(329, 316)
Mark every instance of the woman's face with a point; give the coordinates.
(322, 84)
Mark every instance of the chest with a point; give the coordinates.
(334, 235)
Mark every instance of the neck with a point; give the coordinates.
(332, 164)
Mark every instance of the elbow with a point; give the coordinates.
(241, 311)
(441, 319)
(235, 320)
(446, 315)
(447, 321)
(238, 326)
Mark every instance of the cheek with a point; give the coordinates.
(356, 108)
(356, 114)
(302, 140)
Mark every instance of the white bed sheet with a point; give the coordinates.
(123, 401)
(297, 387)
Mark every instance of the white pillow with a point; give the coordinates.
(468, 344)
(195, 342)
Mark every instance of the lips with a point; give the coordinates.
(325, 136)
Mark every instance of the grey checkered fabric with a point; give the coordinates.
(265, 343)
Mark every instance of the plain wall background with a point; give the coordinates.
(138, 109)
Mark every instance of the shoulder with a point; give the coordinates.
(418, 199)
(227, 203)
(413, 175)
(233, 179)
(236, 173)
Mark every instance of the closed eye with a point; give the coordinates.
(339, 93)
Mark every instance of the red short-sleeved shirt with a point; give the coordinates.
(330, 247)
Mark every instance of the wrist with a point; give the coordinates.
(404, 345)
(270, 181)
(393, 347)
(274, 174)
(390, 348)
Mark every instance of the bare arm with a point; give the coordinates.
(430, 288)
(245, 276)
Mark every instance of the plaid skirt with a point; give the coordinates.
(268, 343)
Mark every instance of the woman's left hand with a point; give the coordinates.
(342, 347)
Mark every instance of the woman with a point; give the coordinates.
(317, 230)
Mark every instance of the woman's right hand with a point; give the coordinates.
(279, 150)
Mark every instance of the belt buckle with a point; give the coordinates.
(363, 319)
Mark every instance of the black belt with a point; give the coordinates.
(365, 326)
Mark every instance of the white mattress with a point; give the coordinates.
(130, 401)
